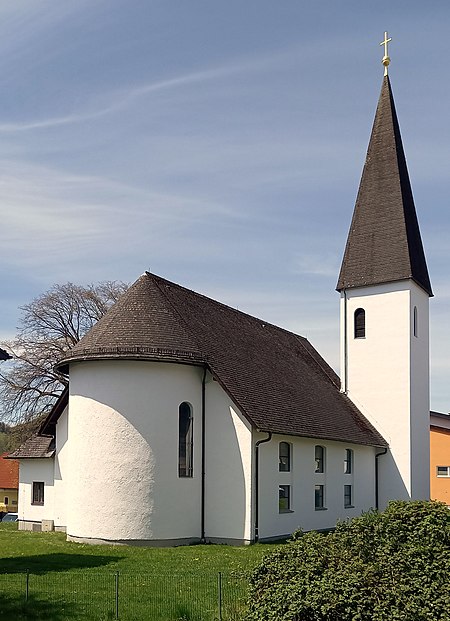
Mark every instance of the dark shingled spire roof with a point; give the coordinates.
(276, 378)
(384, 243)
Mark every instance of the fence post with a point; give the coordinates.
(27, 585)
(219, 589)
(117, 594)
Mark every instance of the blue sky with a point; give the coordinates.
(217, 144)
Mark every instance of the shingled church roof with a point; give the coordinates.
(276, 378)
(384, 243)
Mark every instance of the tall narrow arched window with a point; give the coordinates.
(284, 457)
(415, 325)
(348, 461)
(185, 440)
(360, 323)
(319, 456)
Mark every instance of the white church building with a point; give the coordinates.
(186, 420)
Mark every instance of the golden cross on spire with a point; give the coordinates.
(386, 60)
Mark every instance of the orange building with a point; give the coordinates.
(440, 457)
(9, 484)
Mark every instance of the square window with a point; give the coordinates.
(443, 471)
(348, 500)
(38, 493)
(284, 498)
(319, 496)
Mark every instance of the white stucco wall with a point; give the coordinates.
(60, 465)
(123, 479)
(302, 480)
(387, 377)
(31, 470)
(228, 499)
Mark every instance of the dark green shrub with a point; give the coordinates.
(389, 566)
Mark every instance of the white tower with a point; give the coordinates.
(385, 290)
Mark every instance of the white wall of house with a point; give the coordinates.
(61, 464)
(386, 375)
(228, 490)
(302, 480)
(123, 479)
(35, 470)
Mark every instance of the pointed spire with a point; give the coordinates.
(384, 243)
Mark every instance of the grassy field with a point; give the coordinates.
(75, 581)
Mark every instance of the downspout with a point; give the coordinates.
(202, 527)
(269, 437)
(383, 452)
(344, 387)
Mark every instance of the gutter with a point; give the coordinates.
(257, 444)
(377, 502)
(202, 528)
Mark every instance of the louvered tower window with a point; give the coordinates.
(360, 323)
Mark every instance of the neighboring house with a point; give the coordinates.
(9, 484)
(186, 420)
(440, 457)
(4, 355)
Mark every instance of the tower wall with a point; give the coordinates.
(386, 375)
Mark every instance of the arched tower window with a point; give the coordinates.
(360, 323)
(284, 454)
(415, 324)
(185, 440)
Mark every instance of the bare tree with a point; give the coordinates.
(49, 327)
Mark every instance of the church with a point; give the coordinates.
(189, 421)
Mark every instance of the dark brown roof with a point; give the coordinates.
(36, 447)
(48, 427)
(384, 243)
(4, 354)
(276, 378)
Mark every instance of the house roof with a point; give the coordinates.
(36, 447)
(384, 243)
(9, 473)
(439, 420)
(4, 354)
(276, 378)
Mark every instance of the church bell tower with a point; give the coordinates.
(385, 290)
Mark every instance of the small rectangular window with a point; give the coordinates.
(6, 500)
(443, 471)
(284, 498)
(319, 497)
(284, 454)
(348, 500)
(38, 493)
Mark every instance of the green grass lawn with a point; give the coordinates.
(77, 581)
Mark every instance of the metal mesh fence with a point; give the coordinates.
(184, 596)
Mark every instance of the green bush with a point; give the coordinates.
(388, 566)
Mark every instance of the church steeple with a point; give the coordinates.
(385, 291)
(384, 243)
